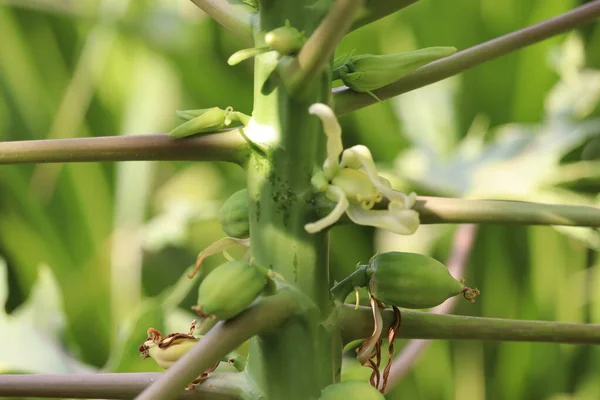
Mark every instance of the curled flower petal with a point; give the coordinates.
(341, 206)
(333, 131)
(220, 245)
(396, 218)
(365, 351)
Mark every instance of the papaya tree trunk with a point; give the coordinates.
(304, 355)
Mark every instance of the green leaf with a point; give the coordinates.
(32, 332)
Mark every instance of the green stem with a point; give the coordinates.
(347, 100)
(228, 146)
(377, 9)
(356, 279)
(233, 15)
(445, 210)
(224, 386)
(224, 337)
(320, 46)
(358, 324)
(436, 210)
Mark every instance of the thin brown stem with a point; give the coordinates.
(228, 146)
(347, 100)
(224, 386)
(436, 210)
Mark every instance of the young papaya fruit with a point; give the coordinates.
(233, 215)
(351, 390)
(412, 280)
(229, 289)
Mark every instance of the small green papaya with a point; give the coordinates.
(229, 289)
(412, 280)
(351, 390)
(233, 215)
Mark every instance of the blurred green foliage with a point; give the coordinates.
(102, 244)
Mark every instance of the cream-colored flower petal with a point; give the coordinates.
(342, 204)
(396, 219)
(333, 131)
(360, 154)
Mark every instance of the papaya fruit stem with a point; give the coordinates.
(357, 279)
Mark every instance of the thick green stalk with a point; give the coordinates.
(357, 324)
(304, 355)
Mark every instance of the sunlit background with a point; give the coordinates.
(90, 251)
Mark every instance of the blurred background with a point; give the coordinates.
(92, 254)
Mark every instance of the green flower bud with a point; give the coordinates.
(207, 120)
(367, 72)
(351, 390)
(285, 39)
(233, 215)
(229, 289)
(412, 280)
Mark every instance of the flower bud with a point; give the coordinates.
(207, 120)
(285, 39)
(367, 72)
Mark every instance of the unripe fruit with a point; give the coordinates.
(233, 215)
(229, 289)
(351, 390)
(412, 280)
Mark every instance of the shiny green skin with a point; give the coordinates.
(410, 280)
(351, 390)
(234, 215)
(230, 288)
